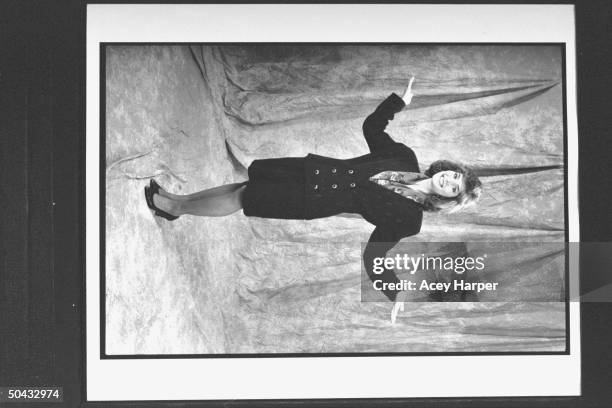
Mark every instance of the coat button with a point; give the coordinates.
(317, 171)
(334, 186)
(334, 170)
(316, 187)
(352, 185)
(350, 171)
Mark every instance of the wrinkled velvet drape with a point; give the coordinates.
(294, 286)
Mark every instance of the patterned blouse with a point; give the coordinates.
(399, 182)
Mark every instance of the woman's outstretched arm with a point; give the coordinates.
(375, 124)
(382, 240)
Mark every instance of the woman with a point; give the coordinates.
(383, 186)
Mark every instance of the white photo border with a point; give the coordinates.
(323, 377)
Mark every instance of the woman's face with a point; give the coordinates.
(448, 183)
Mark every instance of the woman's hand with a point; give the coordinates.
(399, 305)
(407, 97)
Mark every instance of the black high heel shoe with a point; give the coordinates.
(150, 191)
(153, 184)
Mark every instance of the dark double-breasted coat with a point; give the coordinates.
(335, 186)
(318, 187)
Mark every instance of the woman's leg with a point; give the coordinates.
(211, 192)
(227, 200)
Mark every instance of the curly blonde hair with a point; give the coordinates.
(471, 194)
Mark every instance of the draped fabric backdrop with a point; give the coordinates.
(195, 117)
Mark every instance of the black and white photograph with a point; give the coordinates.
(314, 204)
(286, 197)
(266, 166)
